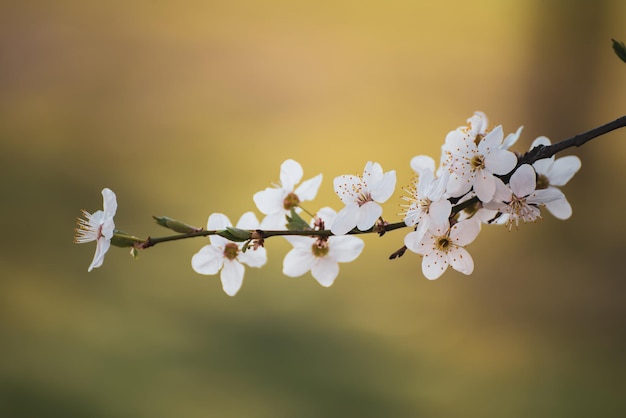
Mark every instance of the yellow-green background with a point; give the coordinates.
(188, 108)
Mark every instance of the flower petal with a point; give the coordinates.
(563, 170)
(461, 260)
(346, 220)
(464, 232)
(348, 188)
(208, 260)
(102, 246)
(434, 264)
(290, 174)
(560, 208)
(218, 221)
(422, 163)
(270, 200)
(368, 214)
(484, 185)
(298, 261)
(385, 187)
(523, 181)
(248, 221)
(440, 211)
(325, 271)
(254, 258)
(232, 277)
(308, 189)
(109, 203)
(345, 249)
(500, 161)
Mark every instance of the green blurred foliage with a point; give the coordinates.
(188, 109)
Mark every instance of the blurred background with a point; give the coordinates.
(188, 108)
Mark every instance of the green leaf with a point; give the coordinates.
(620, 49)
(296, 223)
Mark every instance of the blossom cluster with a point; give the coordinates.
(478, 181)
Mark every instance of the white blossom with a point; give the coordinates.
(553, 172)
(277, 201)
(226, 255)
(321, 255)
(98, 227)
(441, 246)
(361, 196)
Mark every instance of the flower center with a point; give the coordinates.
(477, 162)
(443, 243)
(542, 182)
(320, 247)
(363, 198)
(424, 204)
(231, 250)
(478, 138)
(291, 201)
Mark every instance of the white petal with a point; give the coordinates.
(422, 163)
(346, 220)
(545, 195)
(461, 260)
(385, 188)
(465, 232)
(328, 215)
(491, 141)
(345, 249)
(270, 200)
(102, 246)
(325, 271)
(274, 221)
(290, 174)
(542, 140)
(543, 166)
(254, 258)
(248, 221)
(308, 189)
(523, 181)
(511, 139)
(232, 277)
(414, 240)
(372, 175)
(459, 143)
(434, 264)
(563, 170)
(109, 203)
(440, 211)
(368, 214)
(298, 261)
(560, 209)
(208, 260)
(216, 222)
(484, 185)
(500, 161)
(440, 184)
(348, 188)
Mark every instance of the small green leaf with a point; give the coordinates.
(295, 222)
(175, 225)
(123, 239)
(235, 234)
(620, 49)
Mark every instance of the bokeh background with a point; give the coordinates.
(188, 108)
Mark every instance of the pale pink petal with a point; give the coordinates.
(208, 260)
(368, 214)
(270, 200)
(464, 232)
(542, 140)
(484, 185)
(563, 170)
(308, 189)
(523, 181)
(560, 209)
(434, 264)
(325, 271)
(413, 241)
(511, 139)
(440, 211)
(232, 277)
(290, 174)
(543, 166)
(460, 260)
(345, 249)
(298, 261)
(346, 220)
(491, 141)
(545, 195)
(458, 142)
(459, 184)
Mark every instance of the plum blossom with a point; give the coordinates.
(441, 246)
(276, 202)
(98, 227)
(520, 199)
(553, 172)
(321, 255)
(473, 162)
(427, 204)
(362, 195)
(226, 255)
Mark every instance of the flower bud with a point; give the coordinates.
(235, 234)
(122, 239)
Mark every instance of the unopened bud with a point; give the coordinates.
(235, 234)
(122, 239)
